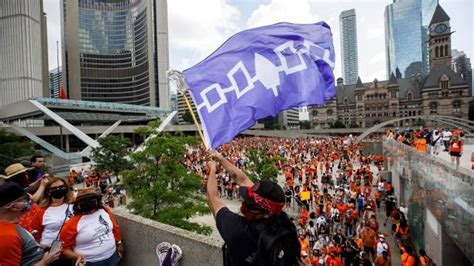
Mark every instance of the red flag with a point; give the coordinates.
(62, 94)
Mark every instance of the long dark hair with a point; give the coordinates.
(278, 244)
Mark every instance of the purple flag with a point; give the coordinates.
(260, 72)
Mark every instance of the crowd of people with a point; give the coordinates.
(433, 141)
(43, 222)
(334, 194)
(331, 202)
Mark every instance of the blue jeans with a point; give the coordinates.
(112, 261)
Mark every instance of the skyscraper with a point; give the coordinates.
(55, 82)
(406, 35)
(348, 28)
(23, 50)
(116, 51)
(462, 66)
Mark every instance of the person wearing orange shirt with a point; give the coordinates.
(95, 226)
(17, 246)
(304, 243)
(407, 258)
(420, 143)
(333, 260)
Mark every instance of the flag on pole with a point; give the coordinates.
(260, 72)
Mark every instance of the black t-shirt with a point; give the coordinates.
(240, 235)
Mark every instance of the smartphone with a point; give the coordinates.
(55, 246)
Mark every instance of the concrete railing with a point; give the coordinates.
(141, 235)
(440, 201)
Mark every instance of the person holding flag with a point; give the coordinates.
(264, 235)
(255, 74)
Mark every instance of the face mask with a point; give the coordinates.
(58, 193)
(88, 206)
(247, 214)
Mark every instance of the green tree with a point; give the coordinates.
(338, 124)
(111, 154)
(160, 185)
(13, 147)
(262, 165)
(305, 124)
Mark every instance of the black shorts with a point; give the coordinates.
(455, 154)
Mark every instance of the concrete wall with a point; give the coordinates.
(439, 201)
(141, 235)
(372, 147)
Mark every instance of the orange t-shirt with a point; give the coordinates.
(10, 244)
(421, 144)
(407, 260)
(333, 261)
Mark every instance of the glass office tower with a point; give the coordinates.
(348, 28)
(406, 36)
(110, 51)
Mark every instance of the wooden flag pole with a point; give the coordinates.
(194, 119)
(177, 76)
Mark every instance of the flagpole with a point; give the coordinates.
(186, 100)
(177, 77)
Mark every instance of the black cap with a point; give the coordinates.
(10, 192)
(267, 189)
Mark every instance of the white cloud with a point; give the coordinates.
(51, 8)
(375, 33)
(377, 58)
(201, 26)
(295, 11)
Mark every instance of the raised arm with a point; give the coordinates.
(240, 177)
(213, 199)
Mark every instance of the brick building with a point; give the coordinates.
(441, 92)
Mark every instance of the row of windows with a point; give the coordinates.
(434, 95)
(440, 52)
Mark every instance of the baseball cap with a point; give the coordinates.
(10, 192)
(265, 194)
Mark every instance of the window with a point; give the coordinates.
(433, 108)
(394, 94)
(329, 112)
(441, 54)
(444, 84)
(346, 101)
(457, 107)
(446, 51)
(409, 96)
(436, 51)
(315, 112)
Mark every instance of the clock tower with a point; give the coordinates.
(440, 39)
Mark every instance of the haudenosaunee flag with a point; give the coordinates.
(260, 72)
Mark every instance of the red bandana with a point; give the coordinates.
(271, 206)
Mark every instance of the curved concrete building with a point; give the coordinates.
(23, 50)
(116, 51)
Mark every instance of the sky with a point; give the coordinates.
(198, 27)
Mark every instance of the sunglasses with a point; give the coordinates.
(57, 188)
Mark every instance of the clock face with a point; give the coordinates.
(441, 28)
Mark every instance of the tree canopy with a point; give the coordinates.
(111, 154)
(161, 187)
(13, 148)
